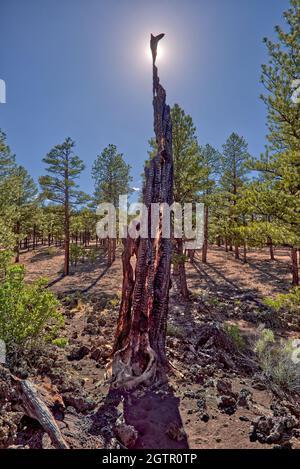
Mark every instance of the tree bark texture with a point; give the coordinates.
(295, 266)
(205, 241)
(139, 348)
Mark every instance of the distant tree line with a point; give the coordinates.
(249, 202)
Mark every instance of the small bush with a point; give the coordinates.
(76, 253)
(234, 332)
(92, 254)
(213, 301)
(28, 312)
(60, 342)
(266, 338)
(285, 302)
(276, 361)
(51, 251)
(174, 331)
(114, 302)
(178, 259)
(5, 260)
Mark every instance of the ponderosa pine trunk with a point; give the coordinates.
(139, 349)
(67, 227)
(191, 255)
(205, 240)
(244, 252)
(179, 271)
(236, 251)
(111, 251)
(271, 247)
(295, 266)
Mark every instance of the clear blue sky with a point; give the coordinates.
(79, 68)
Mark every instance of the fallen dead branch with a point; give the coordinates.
(29, 399)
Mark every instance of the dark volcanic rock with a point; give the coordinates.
(96, 354)
(244, 398)
(227, 404)
(224, 386)
(80, 402)
(273, 429)
(78, 353)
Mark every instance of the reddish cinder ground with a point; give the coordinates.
(185, 412)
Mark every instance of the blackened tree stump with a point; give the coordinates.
(139, 349)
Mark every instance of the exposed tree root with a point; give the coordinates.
(122, 369)
(176, 371)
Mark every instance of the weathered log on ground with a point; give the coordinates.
(139, 349)
(29, 399)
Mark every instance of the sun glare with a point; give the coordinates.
(160, 53)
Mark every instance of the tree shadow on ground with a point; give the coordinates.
(44, 255)
(94, 283)
(262, 273)
(270, 269)
(153, 413)
(92, 272)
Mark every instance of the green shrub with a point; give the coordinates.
(76, 252)
(178, 259)
(276, 361)
(27, 311)
(5, 260)
(174, 331)
(234, 332)
(60, 342)
(92, 254)
(213, 301)
(286, 302)
(51, 251)
(114, 302)
(266, 338)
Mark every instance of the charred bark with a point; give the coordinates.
(139, 348)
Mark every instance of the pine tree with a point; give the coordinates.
(25, 202)
(61, 188)
(7, 162)
(17, 194)
(281, 165)
(210, 159)
(111, 175)
(234, 170)
(7, 158)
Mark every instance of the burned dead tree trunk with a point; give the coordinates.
(139, 348)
